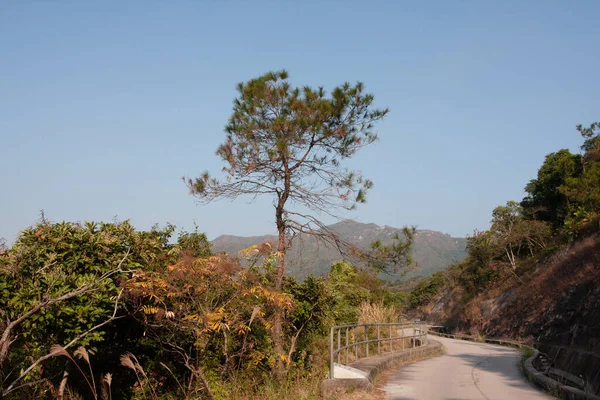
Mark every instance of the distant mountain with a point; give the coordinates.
(432, 251)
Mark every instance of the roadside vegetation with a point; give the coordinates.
(100, 310)
(536, 250)
(104, 311)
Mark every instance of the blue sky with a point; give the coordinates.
(104, 106)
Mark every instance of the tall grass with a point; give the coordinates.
(374, 313)
(377, 313)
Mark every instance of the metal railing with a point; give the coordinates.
(349, 343)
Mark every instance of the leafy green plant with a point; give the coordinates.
(59, 283)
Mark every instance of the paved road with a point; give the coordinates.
(467, 371)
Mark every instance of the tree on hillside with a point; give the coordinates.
(544, 199)
(288, 143)
(515, 234)
(565, 192)
(478, 269)
(591, 135)
(583, 190)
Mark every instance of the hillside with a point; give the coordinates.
(557, 304)
(556, 308)
(432, 251)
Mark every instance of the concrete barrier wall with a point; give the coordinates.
(545, 382)
(374, 366)
(577, 362)
(554, 387)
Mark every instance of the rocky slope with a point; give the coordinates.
(558, 304)
(557, 307)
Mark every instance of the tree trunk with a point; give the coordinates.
(278, 317)
(511, 258)
(281, 249)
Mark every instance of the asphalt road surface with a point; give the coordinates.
(467, 371)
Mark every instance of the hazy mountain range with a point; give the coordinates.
(432, 250)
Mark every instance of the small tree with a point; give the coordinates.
(544, 200)
(583, 191)
(478, 270)
(591, 135)
(514, 234)
(288, 143)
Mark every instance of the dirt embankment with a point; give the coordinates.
(558, 304)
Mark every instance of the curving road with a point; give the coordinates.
(467, 371)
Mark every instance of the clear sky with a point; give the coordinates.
(104, 106)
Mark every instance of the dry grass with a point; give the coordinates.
(373, 313)
(306, 387)
(299, 385)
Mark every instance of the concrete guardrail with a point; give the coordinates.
(567, 386)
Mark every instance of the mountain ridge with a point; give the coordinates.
(432, 250)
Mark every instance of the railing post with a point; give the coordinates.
(339, 345)
(331, 354)
(402, 337)
(355, 345)
(413, 340)
(391, 341)
(378, 340)
(418, 330)
(367, 340)
(347, 346)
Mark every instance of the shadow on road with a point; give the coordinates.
(468, 371)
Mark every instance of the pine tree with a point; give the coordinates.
(288, 143)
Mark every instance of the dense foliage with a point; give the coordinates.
(60, 283)
(562, 204)
(164, 317)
